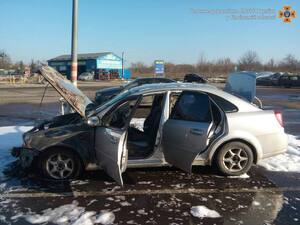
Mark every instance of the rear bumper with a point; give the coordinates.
(25, 155)
(271, 154)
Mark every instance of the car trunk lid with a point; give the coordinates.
(242, 84)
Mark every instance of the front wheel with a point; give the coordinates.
(234, 159)
(60, 164)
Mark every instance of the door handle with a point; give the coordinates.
(196, 131)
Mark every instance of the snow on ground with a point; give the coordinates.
(202, 211)
(289, 161)
(9, 137)
(67, 214)
(243, 176)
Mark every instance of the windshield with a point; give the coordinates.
(130, 85)
(111, 102)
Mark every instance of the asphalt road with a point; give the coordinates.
(158, 195)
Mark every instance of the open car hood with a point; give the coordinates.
(242, 84)
(78, 101)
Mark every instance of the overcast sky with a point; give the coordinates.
(173, 30)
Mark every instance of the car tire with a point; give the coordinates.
(234, 159)
(60, 164)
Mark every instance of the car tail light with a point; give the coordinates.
(278, 116)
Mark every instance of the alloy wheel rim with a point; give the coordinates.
(235, 159)
(59, 166)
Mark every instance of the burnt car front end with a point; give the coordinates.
(66, 131)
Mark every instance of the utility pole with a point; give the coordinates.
(74, 43)
(122, 65)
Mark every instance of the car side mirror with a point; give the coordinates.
(93, 121)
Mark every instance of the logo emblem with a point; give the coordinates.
(287, 14)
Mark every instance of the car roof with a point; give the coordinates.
(170, 86)
(162, 87)
(154, 78)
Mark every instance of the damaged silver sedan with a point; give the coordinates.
(153, 125)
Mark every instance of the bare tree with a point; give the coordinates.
(220, 67)
(140, 69)
(5, 61)
(290, 64)
(21, 67)
(34, 66)
(249, 61)
(203, 64)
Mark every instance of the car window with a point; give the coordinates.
(132, 84)
(294, 78)
(146, 81)
(120, 115)
(165, 80)
(192, 106)
(113, 101)
(225, 105)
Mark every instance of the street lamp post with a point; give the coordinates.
(74, 43)
(122, 65)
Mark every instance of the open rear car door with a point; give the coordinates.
(187, 131)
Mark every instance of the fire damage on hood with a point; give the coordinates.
(77, 100)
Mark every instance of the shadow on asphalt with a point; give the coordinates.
(136, 179)
(165, 195)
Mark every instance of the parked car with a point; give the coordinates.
(105, 94)
(289, 81)
(186, 125)
(194, 78)
(270, 80)
(86, 76)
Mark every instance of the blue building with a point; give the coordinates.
(103, 65)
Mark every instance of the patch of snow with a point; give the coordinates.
(131, 222)
(288, 161)
(137, 123)
(105, 218)
(125, 203)
(92, 201)
(218, 200)
(243, 176)
(67, 214)
(202, 211)
(256, 203)
(177, 186)
(144, 182)
(10, 137)
(79, 182)
(142, 212)
(2, 218)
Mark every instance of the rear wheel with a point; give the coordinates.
(234, 159)
(60, 164)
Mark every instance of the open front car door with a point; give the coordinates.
(187, 131)
(110, 140)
